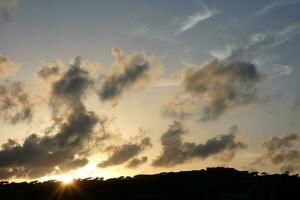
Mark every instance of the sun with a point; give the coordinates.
(66, 179)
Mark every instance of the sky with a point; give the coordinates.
(118, 88)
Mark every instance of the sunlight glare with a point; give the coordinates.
(66, 179)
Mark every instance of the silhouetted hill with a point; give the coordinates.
(213, 183)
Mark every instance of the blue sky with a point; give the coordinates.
(173, 36)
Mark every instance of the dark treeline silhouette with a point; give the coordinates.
(212, 183)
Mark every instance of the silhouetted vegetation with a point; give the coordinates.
(213, 183)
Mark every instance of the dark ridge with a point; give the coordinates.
(212, 183)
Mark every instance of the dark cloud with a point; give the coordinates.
(72, 86)
(40, 155)
(277, 143)
(16, 104)
(277, 151)
(7, 67)
(6, 7)
(134, 163)
(129, 71)
(175, 151)
(123, 153)
(221, 85)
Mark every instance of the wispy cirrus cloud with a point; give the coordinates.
(192, 20)
(275, 5)
(257, 41)
(247, 50)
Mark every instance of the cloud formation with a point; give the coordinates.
(192, 20)
(123, 153)
(175, 151)
(278, 151)
(16, 104)
(7, 67)
(63, 148)
(221, 85)
(129, 71)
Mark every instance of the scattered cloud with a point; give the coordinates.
(219, 85)
(129, 71)
(175, 151)
(65, 146)
(277, 151)
(192, 20)
(230, 79)
(223, 86)
(123, 153)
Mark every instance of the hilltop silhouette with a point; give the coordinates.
(212, 183)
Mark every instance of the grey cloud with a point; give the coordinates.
(221, 85)
(123, 153)
(175, 151)
(129, 71)
(39, 155)
(16, 104)
(278, 151)
(72, 86)
(7, 67)
(134, 163)
(277, 143)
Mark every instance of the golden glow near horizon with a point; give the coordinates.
(81, 173)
